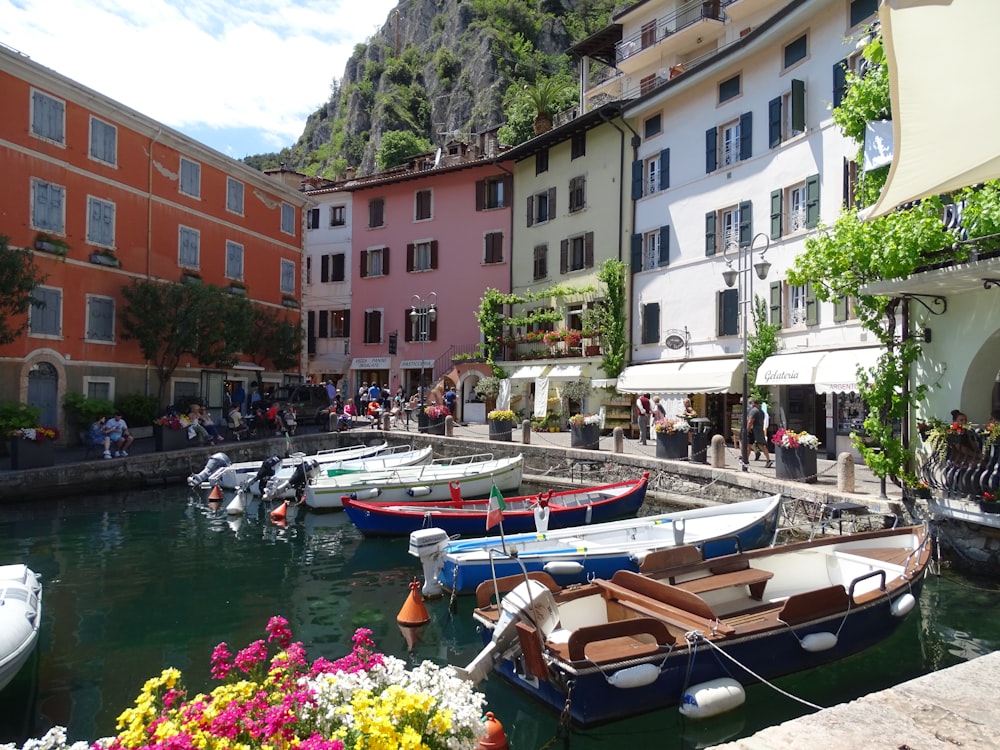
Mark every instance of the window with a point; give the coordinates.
(493, 192)
(422, 256)
(423, 205)
(796, 305)
(648, 34)
(100, 319)
(338, 216)
(795, 208)
(540, 259)
(234, 196)
(312, 218)
(373, 327)
(786, 114)
(729, 143)
(647, 84)
(45, 316)
(494, 248)
(103, 141)
(729, 89)
(375, 262)
(309, 269)
(287, 276)
(577, 193)
(854, 63)
(651, 323)
(728, 227)
(542, 161)
(48, 117)
(288, 218)
(340, 324)
(188, 245)
(862, 10)
(100, 222)
(728, 312)
(851, 185)
(656, 248)
(795, 51)
(578, 145)
(98, 387)
(234, 261)
(541, 206)
(47, 201)
(190, 182)
(577, 253)
(332, 267)
(376, 212)
(652, 126)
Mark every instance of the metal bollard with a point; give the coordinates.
(717, 452)
(845, 472)
(526, 432)
(618, 435)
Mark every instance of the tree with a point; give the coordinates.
(530, 108)
(610, 317)
(272, 337)
(18, 277)
(761, 345)
(170, 320)
(399, 145)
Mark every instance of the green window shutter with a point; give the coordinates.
(710, 233)
(664, 258)
(563, 256)
(812, 307)
(728, 313)
(798, 105)
(636, 253)
(711, 150)
(746, 135)
(651, 323)
(636, 180)
(776, 303)
(776, 211)
(840, 310)
(774, 122)
(812, 201)
(664, 169)
(746, 223)
(839, 82)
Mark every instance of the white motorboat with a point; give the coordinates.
(20, 616)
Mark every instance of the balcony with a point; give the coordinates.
(692, 29)
(552, 345)
(962, 466)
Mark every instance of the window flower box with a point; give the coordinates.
(238, 289)
(105, 259)
(49, 244)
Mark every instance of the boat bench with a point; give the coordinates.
(711, 575)
(682, 609)
(753, 578)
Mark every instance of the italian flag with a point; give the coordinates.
(494, 514)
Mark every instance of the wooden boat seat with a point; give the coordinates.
(614, 641)
(754, 579)
(485, 592)
(682, 609)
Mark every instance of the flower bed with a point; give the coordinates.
(790, 439)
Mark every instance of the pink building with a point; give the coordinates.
(434, 233)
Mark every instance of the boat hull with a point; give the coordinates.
(20, 616)
(244, 471)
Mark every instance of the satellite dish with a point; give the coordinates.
(437, 158)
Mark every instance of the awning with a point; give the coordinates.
(248, 366)
(528, 372)
(957, 279)
(798, 368)
(837, 372)
(696, 376)
(566, 372)
(940, 147)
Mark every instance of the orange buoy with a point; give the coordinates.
(279, 513)
(496, 738)
(414, 613)
(216, 493)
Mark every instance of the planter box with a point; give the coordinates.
(797, 464)
(166, 439)
(992, 507)
(501, 429)
(105, 260)
(430, 426)
(29, 454)
(587, 436)
(672, 445)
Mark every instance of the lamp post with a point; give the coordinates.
(745, 296)
(423, 312)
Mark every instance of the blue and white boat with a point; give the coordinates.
(20, 616)
(578, 553)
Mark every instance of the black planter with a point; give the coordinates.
(30, 454)
(992, 507)
(586, 436)
(430, 426)
(166, 439)
(501, 429)
(672, 445)
(797, 464)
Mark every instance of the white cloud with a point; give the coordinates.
(212, 67)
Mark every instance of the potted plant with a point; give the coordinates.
(436, 414)
(989, 503)
(488, 389)
(795, 455)
(585, 431)
(32, 447)
(237, 287)
(105, 256)
(49, 244)
(672, 438)
(170, 432)
(502, 423)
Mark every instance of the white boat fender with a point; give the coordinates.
(418, 491)
(712, 698)
(902, 606)
(815, 642)
(365, 494)
(563, 568)
(633, 677)
(541, 514)
(237, 505)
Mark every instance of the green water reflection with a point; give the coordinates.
(138, 582)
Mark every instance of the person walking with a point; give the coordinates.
(643, 409)
(755, 429)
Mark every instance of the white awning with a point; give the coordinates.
(837, 372)
(798, 368)
(248, 366)
(528, 372)
(566, 372)
(697, 376)
(940, 147)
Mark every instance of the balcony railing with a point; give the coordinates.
(962, 465)
(685, 16)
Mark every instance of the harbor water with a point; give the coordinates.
(137, 582)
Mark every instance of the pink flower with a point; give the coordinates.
(221, 662)
(251, 656)
(278, 630)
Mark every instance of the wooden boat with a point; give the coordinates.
(474, 475)
(555, 510)
(573, 555)
(20, 616)
(635, 643)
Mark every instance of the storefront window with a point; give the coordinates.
(850, 413)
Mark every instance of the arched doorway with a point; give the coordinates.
(43, 392)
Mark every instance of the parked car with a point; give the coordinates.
(311, 402)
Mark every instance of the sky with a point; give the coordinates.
(241, 77)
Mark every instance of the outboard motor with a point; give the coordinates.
(297, 481)
(216, 464)
(428, 546)
(265, 472)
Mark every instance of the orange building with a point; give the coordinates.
(104, 195)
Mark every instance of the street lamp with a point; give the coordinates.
(423, 312)
(745, 295)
